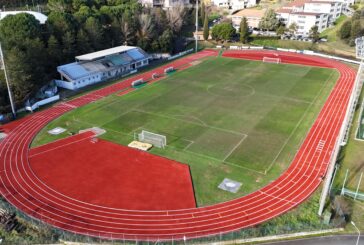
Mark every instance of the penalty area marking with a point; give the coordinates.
(235, 147)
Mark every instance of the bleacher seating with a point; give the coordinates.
(74, 70)
(117, 60)
(94, 66)
(126, 57)
(135, 54)
(101, 65)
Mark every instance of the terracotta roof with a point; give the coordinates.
(321, 2)
(284, 10)
(297, 3)
(250, 13)
(306, 13)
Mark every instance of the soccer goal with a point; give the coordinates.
(137, 83)
(169, 69)
(155, 75)
(272, 60)
(156, 140)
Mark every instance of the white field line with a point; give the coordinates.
(313, 102)
(185, 233)
(279, 198)
(288, 98)
(191, 142)
(219, 160)
(192, 117)
(61, 146)
(188, 121)
(234, 148)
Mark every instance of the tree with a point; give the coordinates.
(345, 30)
(69, 46)
(292, 28)
(60, 6)
(175, 17)
(14, 29)
(281, 30)
(26, 68)
(244, 30)
(165, 41)
(356, 15)
(314, 34)
(202, 12)
(77, 4)
(83, 42)
(83, 13)
(54, 50)
(224, 31)
(356, 29)
(18, 74)
(206, 31)
(23, 53)
(269, 21)
(145, 30)
(95, 32)
(126, 31)
(60, 23)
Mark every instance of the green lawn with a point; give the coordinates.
(331, 33)
(232, 118)
(352, 157)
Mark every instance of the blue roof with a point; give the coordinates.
(135, 54)
(117, 60)
(74, 70)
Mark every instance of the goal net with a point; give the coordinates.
(156, 140)
(169, 69)
(271, 60)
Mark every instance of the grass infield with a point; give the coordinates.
(232, 118)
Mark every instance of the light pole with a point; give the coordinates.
(196, 42)
(7, 83)
(357, 241)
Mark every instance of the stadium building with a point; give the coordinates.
(101, 66)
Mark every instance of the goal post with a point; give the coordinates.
(156, 140)
(169, 70)
(271, 60)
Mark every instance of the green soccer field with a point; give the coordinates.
(226, 118)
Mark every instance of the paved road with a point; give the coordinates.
(329, 240)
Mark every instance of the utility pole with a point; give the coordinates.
(196, 42)
(7, 82)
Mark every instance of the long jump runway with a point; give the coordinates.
(22, 188)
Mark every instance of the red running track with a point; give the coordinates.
(21, 187)
(112, 175)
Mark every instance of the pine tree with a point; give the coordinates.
(202, 11)
(54, 51)
(69, 46)
(314, 34)
(244, 30)
(83, 42)
(206, 30)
